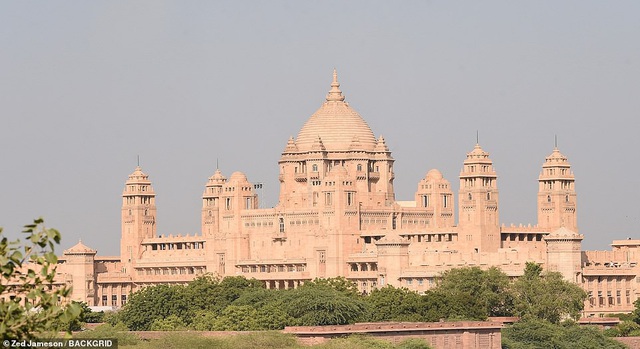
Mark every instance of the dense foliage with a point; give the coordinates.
(31, 303)
(238, 304)
(534, 333)
(547, 295)
(629, 325)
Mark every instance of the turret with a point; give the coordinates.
(478, 203)
(138, 215)
(557, 194)
(211, 204)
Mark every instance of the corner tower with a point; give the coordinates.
(557, 194)
(138, 215)
(211, 204)
(478, 203)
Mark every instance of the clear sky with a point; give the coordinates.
(87, 86)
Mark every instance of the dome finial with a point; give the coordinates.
(335, 94)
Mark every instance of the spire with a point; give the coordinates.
(335, 94)
(381, 145)
(318, 145)
(477, 153)
(291, 146)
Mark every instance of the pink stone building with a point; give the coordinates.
(337, 215)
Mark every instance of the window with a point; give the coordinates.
(548, 198)
(322, 257)
(221, 263)
(114, 300)
(445, 201)
(488, 196)
(248, 203)
(104, 301)
(327, 199)
(359, 168)
(281, 222)
(469, 196)
(349, 199)
(314, 168)
(425, 200)
(124, 299)
(227, 203)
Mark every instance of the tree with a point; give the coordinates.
(636, 312)
(237, 318)
(547, 295)
(212, 294)
(340, 284)
(534, 333)
(273, 317)
(471, 294)
(317, 306)
(32, 305)
(170, 323)
(154, 303)
(394, 304)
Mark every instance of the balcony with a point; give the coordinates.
(374, 175)
(300, 177)
(603, 271)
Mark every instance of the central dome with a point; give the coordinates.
(336, 124)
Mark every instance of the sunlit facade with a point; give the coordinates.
(337, 215)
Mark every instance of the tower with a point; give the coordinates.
(478, 203)
(80, 262)
(138, 215)
(557, 194)
(211, 204)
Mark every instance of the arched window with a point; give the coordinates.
(488, 196)
(548, 198)
(359, 168)
(314, 168)
(566, 198)
(470, 197)
(281, 225)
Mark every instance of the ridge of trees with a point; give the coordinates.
(237, 303)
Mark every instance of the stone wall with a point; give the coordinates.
(461, 334)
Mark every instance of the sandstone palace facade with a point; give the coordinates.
(337, 216)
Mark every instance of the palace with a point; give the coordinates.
(337, 216)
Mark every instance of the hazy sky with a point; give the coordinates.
(86, 86)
